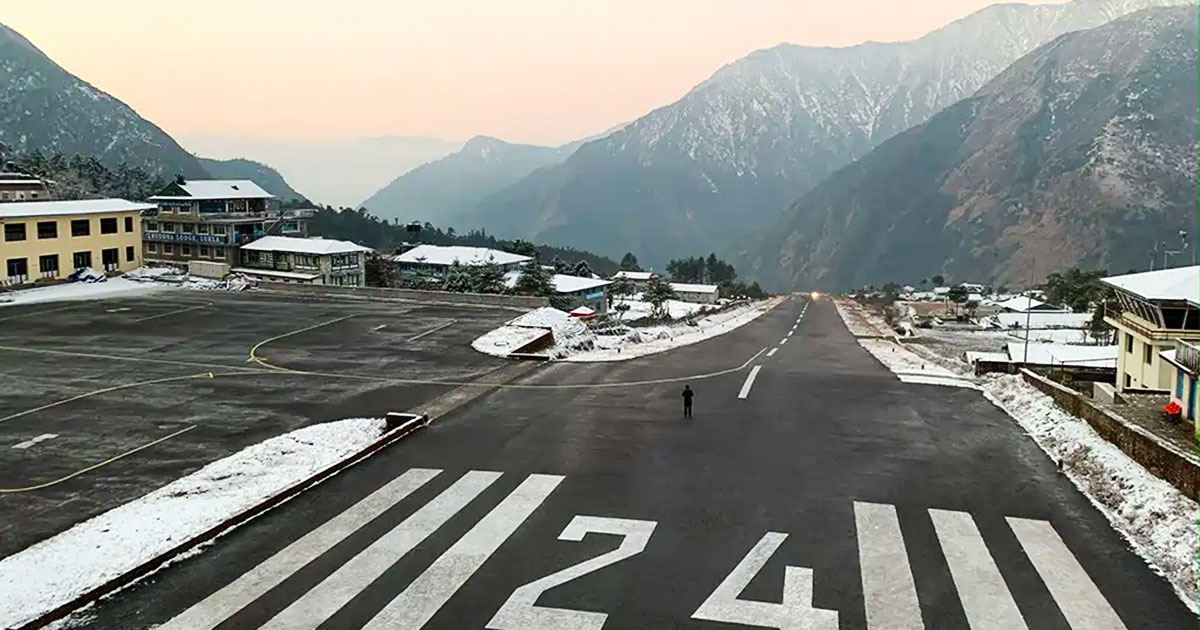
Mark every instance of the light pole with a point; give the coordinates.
(1029, 306)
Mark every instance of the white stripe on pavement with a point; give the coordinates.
(985, 597)
(772, 352)
(749, 381)
(1076, 594)
(216, 608)
(413, 608)
(783, 342)
(889, 592)
(326, 598)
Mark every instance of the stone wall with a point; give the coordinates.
(472, 299)
(1164, 460)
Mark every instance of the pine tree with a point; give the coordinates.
(582, 269)
(488, 278)
(534, 280)
(657, 292)
(629, 262)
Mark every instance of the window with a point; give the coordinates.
(18, 269)
(130, 255)
(1128, 342)
(152, 247)
(81, 259)
(14, 232)
(151, 226)
(128, 224)
(218, 252)
(111, 258)
(81, 227)
(168, 227)
(108, 226)
(202, 228)
(219, 230)
(1148, 355)
(47, 229)
(168, 248)
(48, 265)
(204, 251)
(1128, 381)
(185, 249)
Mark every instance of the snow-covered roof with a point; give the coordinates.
(994, 357)
(272, 273)
(62, 208)
(640, 276)
(21, 182)
(562, 283)
(319, 246)
(448, 254)
(217, 189)
(681, 287)
(572, 284)
(975, 297)
(1063, 354)
(1022, 303)
(1042, 319)
(1180, 283)
(941, 290)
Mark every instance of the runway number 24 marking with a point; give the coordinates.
(794, 613)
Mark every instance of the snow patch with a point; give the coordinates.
(1157, 520)
(59, 569)
(76, 291)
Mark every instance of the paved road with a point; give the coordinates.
(829, 496)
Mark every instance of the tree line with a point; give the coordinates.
(83, 177)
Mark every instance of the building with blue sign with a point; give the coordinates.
(305, 260)
(210, 219)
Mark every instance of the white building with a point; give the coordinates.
(1154, 310)
(638, 279)
(435, 260)
(305, 260)
(1025, 304)
(577, 290)
(698, 293)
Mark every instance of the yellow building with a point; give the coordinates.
(50, 239)
(1153, 310)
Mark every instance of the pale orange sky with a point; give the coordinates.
(539, 71)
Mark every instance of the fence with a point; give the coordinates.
(1164, 460)
(446, 297)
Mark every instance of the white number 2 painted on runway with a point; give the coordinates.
(521, 611)
(796, 611)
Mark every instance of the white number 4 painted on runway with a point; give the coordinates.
(796, 611)
(521, 611)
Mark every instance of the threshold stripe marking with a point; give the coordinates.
(326, 598)
(223, 604)
(749, 382)
(426, 595)
(985, 597)
(1076, 594)
(889, 592)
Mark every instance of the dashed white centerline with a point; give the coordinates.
(783, 342)
(772, 352)
(749, 382)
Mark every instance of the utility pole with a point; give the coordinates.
(1029, 307)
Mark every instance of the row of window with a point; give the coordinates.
(348, 280)
(185, 249)
(49, 229)
(18, 268)
(186, 228)
(1148, 349)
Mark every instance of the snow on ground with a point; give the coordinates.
(574, 341)
(1158, 520)
(647, 340)
(59, 569)
(860, 321)
(911, 367)
(640, 310)
(75, 291)
(570, 334)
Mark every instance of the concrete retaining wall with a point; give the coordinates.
(445, 297)
(1163, 459)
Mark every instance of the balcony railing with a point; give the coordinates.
(1187, 355)
(1120, 320)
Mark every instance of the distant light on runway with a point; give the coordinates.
(816, 295)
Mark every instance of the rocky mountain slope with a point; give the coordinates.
(1081, 153)
(43, 107)
(441, 192)
(268, 178)
(704, 171)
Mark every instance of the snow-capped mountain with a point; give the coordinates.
(1081, 153)
(713, 166)
(44, 107)
(441, 191)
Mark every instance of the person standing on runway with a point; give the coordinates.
(687, 401)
